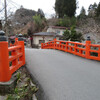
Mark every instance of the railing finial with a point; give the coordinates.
(2, 36)
(88, 38)
(20, 37)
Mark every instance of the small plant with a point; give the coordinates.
(18, 77)
(23, 92)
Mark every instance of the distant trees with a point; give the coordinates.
(37, 25)
(0, 25)
(39, 22)
(92, 7)
(67, 21)
(82, 14)
(22, 16)
(65, 7)
(31, 29)
(98, 10)
(92, 10)
(26, 21)
(41, 13)
(72, 35)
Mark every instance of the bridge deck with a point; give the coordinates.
(64, 76)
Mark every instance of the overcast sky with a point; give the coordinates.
(47, 5)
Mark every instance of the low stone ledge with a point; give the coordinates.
(8, 87)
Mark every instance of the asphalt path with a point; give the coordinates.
(64, 76)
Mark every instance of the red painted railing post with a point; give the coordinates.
(87, 51)
(75, 45)
(21, 42)
(99, 53)
(5, 74)
(41, 45)
(66, 46)
(16, 41)
(55, 43)
(22, 50)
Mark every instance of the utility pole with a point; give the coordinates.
(5, 5)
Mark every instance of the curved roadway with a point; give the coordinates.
(64, 76)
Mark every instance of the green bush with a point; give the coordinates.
(72, 35)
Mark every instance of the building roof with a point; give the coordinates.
(58, 27)
(46, 34)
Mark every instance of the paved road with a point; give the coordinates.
(64, 76)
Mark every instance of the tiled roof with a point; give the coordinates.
(45, 34)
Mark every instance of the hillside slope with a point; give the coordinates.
(90, 27)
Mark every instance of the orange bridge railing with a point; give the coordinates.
(11, 58)
(86, 50)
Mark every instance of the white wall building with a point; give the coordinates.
(43, 37)
(57, 29)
